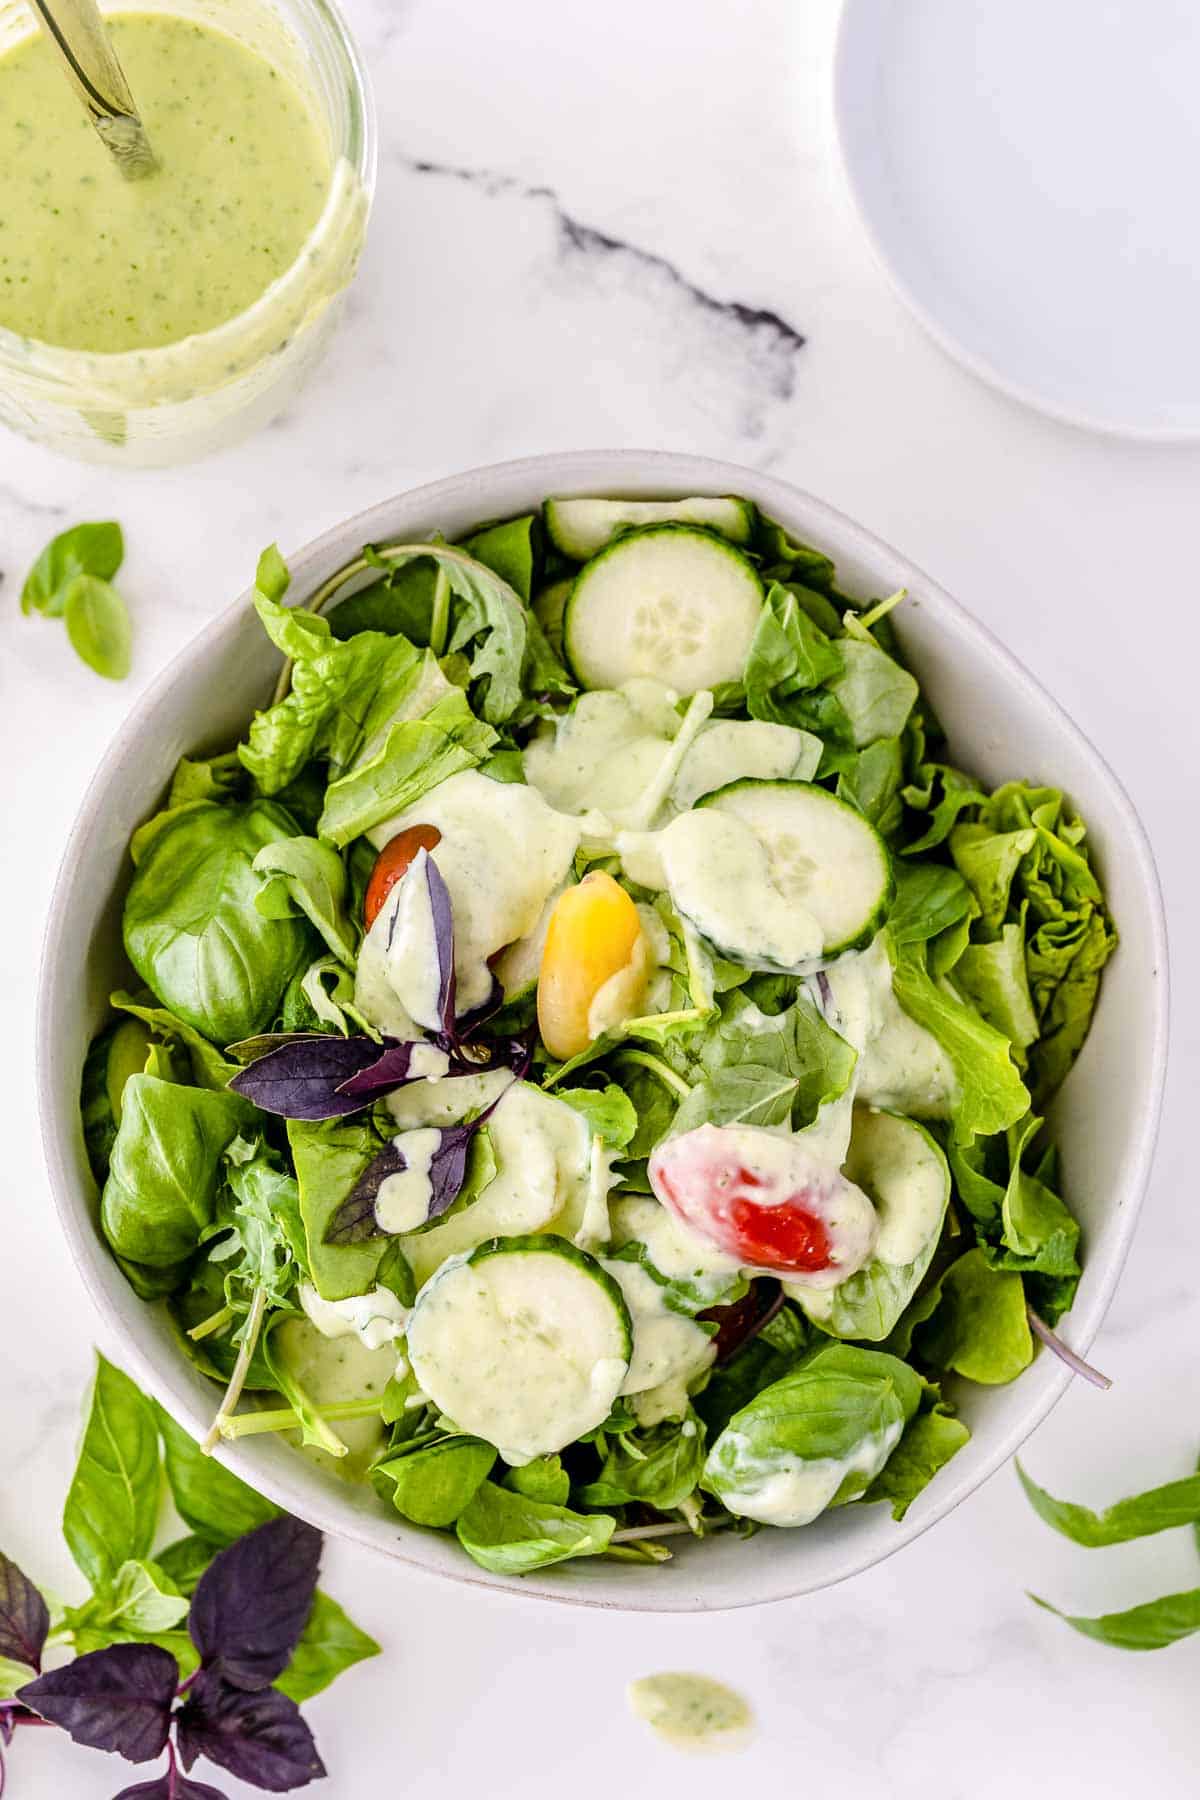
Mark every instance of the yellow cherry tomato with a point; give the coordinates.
(595, 941)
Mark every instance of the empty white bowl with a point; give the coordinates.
(1000, 724)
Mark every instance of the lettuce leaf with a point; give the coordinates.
(991, 1095)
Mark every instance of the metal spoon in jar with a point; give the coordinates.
(81, 40)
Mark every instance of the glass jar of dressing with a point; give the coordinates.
(146, 322)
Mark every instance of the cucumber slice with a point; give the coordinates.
(823, 856)
(904, 1174)
(548, 610)
(524, 1343)
(581, 527)
(671, 601)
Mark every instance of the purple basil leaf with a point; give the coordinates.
(24, 1620)
(253, 1601)
(379, 1077)
(259, 1737)
(302, 1080)
(443, 937)
(172, 1784)
(117, 1699)
(354, 1221)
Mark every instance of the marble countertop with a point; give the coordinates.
(624, 226)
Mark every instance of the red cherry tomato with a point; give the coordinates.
(763, 1199)
(393, 862)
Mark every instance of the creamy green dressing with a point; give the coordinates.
(692, 1712)
(92, 261)
(794, 1490)
(669, 1350)
(335, 1369)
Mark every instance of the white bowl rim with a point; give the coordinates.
(670, 472)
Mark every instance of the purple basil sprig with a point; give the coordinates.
(247, 1615)
(116, 1699)
(260, 1736)
(355, 1221)
(303, 1078)
(24, 1616)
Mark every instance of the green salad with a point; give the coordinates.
(584, 1066)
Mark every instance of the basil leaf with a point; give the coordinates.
(209, 1068)
(24, 1617)
(330, 1644)
(1151, 1626)
(511, 1534)
(99, 627)
(542, 1479)
(192, 929)
(253, 1602)
(141, 1602)
(112, 1504)
(1141, 1515)
(215, 1503)
(165, 1171)
(118, 1699)
(83, 550)
(432, 1486)
(329, 1158)
(259, 1737)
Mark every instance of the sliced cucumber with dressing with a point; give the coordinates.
(904, 1174)
(824, 861)
(581, 527)
(669, 601)
(548, 610)
(525, 1343)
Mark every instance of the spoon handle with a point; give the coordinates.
(80, 37)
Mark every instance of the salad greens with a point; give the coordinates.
(72, 581)
(693, 1029)
(1156, 1623)
(204, 1647)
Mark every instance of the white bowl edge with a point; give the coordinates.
(843, 1544)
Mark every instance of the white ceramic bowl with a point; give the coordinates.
(1000, 724)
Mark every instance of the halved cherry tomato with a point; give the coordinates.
(594, 937)
(765, 1199)
(393, 862)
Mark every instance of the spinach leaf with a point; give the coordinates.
(112, 1504)
(92, 549)
(99, 626)
(874, 692)
(165, 1172)
(979, 1327)
(542, 1479)
(508, 550)
(329, 1158)
(192, 929)
(213, 1502)
(330, 1643)
(415, 756)
(873, 782)
(929, 899)
(1141, 1515)
(658, 1468)
(432, 1486)
(401, 604)
(801, 561)
(842, 1411)
(929, 1441)
(511, 1534)
(1151, 1626)
(991, 1095)
(308, 878)
(788, 655)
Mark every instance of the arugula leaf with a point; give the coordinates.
(308, 878)
(609, 1112)
(991, 1095)
(99, 626)
(1141, 1515)
(511, 1534)
(263, 1248)
(112, 1504)
(433, 1485)
(659, 1467)
(92, 549)
(416, 755)
(979, 1327)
